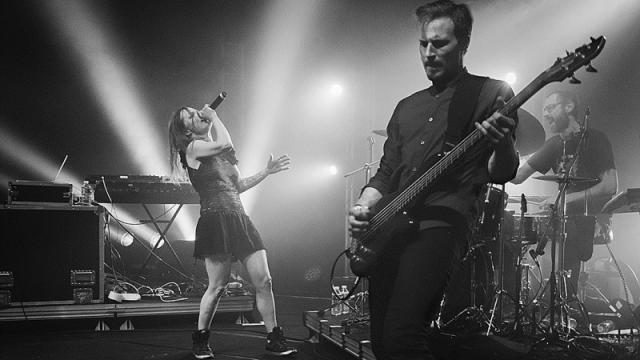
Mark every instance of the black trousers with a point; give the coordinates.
(406, 289)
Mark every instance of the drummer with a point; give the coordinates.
(594, 171)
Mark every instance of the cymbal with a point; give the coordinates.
(381, 132)
(571, 179)
(626, 202)
(529, 133)
(533, 199)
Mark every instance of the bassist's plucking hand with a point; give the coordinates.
(359, 216)
(361, 212)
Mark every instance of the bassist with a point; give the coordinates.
(407, 284)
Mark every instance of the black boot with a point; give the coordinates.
(201, 348)
(277, 344)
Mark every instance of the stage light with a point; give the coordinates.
(157, 240)
(107, 71)
(286, 29)
(335, 90)
(119, 236)
(126, 239)
(113, 83)
(510, 78)
(44, 169)
(333, 170)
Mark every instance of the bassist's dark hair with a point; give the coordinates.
(458, 13)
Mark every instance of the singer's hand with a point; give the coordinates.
(208, 114)
(277, 165)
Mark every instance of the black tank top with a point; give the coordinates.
(216, 181)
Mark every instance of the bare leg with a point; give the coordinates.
(258, 269)
(218, 272)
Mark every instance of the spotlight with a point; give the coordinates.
(333, 170)
(510, 78)
(126, 239)
(157, 239)
(335, 90)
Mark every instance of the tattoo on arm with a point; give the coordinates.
(247, 183)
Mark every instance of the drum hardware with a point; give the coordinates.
(491, 214)
(498, 306)
(459, 313)
(520, 289)
(473, 317)
(558, 292)
(521, 237)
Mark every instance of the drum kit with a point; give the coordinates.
(512, 235)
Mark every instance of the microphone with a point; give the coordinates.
(486, 205)
(215, 103)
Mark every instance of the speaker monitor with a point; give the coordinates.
(55, 255)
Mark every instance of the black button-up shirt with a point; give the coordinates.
(416, 132)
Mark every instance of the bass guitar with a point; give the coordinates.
(392, 211)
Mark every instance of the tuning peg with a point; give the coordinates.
(591, 68)
(592, 38)
(574, 80)
(568, 52)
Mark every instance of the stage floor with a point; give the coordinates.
(154, 330)
(350, 332)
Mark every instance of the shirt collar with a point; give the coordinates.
(451, 85)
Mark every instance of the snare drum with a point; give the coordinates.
(526, 230)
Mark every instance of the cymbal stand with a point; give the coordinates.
(560, 218)
(519, 310)
(474, 315)
(497, 309)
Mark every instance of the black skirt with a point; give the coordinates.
(222, 233)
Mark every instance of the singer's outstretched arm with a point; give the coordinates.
(273, 166)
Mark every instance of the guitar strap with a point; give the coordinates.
(463, 103)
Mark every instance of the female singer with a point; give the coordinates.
(200, 144)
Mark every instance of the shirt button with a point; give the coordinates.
(430, 119)
(414, 169)
(422, 142)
